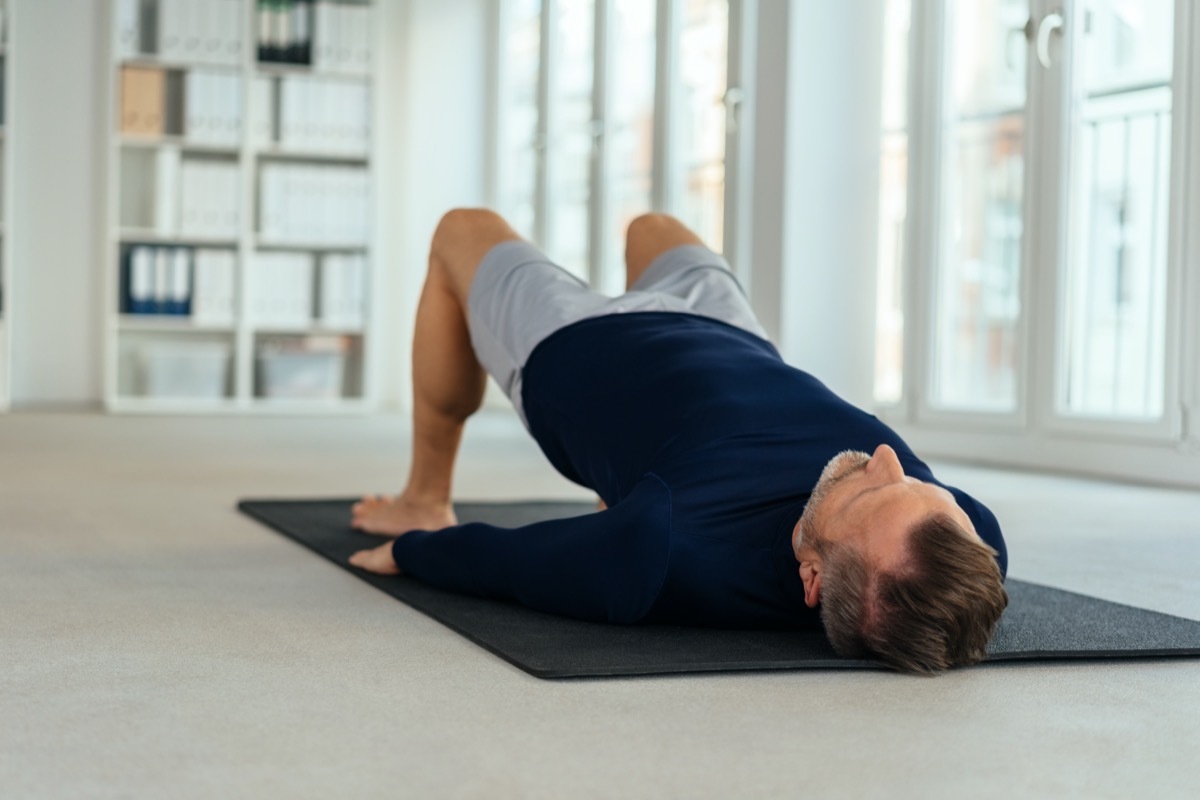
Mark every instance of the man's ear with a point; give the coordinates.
(810, 575)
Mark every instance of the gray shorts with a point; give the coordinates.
(519, 297)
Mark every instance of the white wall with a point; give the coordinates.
(58, 141)
(434, 71)
(815, 185)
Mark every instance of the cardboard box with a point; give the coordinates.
(143, 101)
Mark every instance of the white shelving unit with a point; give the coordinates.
(265, 166)
(6, 205)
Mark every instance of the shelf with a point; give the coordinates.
(282, 154)
(169, 324)
(154, 62)
(181, 142)
(146, 236)
(143, 177)
(272, 69)
(306, 330)
(267, 244)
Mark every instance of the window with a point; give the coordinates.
(570, 132)
(1115, 307)
(581, 95)
(518, 138)
(703, 63)
(977, 304)
(1032, 221)
(630, 134)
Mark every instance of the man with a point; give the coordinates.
(740, 491)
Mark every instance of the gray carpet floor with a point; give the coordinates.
(154, 643)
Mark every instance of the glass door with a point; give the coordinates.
(1032, 212)
(570, 133)
(701, 132)
(520, 141)
(588, 91)
(976, 354)
(629, 131)
(1113, 343)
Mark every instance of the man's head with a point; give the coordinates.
(897, 566)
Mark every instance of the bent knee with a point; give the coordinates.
(649, 236)
(460, 222)
(651, 225)
(462, 238)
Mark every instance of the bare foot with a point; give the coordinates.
(392, 516)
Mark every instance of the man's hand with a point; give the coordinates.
(378, 560)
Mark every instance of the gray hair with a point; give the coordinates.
(938, 611)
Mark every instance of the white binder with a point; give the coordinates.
(170, 36)
(181, 280)
(162, 278)
(166, 190)
(141, 279)
(128, 28)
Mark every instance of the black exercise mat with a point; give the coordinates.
(1040, 622)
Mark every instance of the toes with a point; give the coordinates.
(365, 503)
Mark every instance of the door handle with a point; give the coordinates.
(1051, 23)
(732, 101)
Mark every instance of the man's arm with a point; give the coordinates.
(607, 566)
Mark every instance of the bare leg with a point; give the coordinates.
(448, 382)
(648, 237)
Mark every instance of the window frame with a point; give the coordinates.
(1037, 433)
(1051, 290)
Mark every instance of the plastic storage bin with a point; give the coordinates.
(300, 374)
(193, 370)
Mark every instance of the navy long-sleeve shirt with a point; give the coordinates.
(704, 444)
